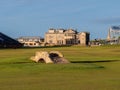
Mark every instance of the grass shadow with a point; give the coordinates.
(5, 63)
(100, 61)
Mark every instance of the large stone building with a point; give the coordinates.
(66, 37)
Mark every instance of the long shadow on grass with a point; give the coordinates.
(100, 61)
(2, 63)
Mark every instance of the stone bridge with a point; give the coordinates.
(49, 57)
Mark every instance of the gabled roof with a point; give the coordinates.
(71, 31)
(84, 32)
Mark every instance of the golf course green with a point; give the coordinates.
(91, 68)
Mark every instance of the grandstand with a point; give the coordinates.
(8, 42)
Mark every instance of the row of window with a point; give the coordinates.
(61, 36)
(30, 44)
(60, 42)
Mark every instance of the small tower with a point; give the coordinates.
(109, 36)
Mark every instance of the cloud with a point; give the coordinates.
(112, 20)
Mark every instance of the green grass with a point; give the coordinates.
(92, 68)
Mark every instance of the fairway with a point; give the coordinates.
(91, 68)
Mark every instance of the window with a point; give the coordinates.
(50, 41)
(60, 42)
(30, 44)
(50, 36)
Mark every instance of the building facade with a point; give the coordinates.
(66, 37)
(83, 38)
(30, 41)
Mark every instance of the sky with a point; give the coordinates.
(35, 17)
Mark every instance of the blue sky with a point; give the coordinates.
(35, 17)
